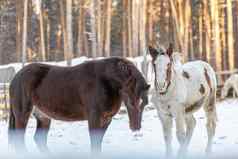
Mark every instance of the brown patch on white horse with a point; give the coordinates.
(194, 107)
(202, 89)
(186, 75)
(208, 79)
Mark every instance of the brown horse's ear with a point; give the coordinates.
(153, 52)
(170, 50)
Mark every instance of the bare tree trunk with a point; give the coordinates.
(81, 23)
(142, 22)
(150, 22)
(186, 29)
(124, 28)
(181, 15)
(24, 35)
(19, 17)
(200, 32)
(93, 37)
(216, 33)
(230, 34)
(135, 27)
(69, 31)
(129, 29)
(190, 36)
(108, 28)
(98, 18)
(58, 41)
(223, 40)
(142, 32)
(235, 22)
(42, 32)
(208, 30)
(48, 30)
(177, 25)
(63, 27)
(86, 47)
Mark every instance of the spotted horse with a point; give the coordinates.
(180, 91)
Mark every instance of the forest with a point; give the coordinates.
(38, 92)
(53, 30)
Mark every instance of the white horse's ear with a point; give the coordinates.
(170, 50)
(177, 62)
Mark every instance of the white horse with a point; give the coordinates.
(231, 83)
(182, 89)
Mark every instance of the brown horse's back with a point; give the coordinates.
(64, 93)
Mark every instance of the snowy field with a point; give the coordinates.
(71, 139)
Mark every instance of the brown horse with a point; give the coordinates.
(90, 91)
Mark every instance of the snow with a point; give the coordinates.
(72, 138)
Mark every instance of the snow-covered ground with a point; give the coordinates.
(71, 139)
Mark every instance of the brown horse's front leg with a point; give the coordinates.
(97, 128)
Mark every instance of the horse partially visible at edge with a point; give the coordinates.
(231, 84)
(92, 91)
(180, 91)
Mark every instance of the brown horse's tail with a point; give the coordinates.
(11, 126)
(11, 121)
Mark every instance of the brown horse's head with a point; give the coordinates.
(135, 98)
(134, 94)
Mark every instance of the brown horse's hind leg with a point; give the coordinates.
(21, 116)
(42, 129)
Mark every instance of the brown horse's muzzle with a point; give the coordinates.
(134, 114)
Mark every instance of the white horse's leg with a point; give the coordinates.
(235, 90)
(211, 128)
(211, 115)
(190, 125)
(167, 124)
(181, 135)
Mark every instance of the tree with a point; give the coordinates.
(24, 35)
(230, 34)
(42, 31)
(207, 29)
(19, 17)
(216, 49)
(81, 29)
(93, 37)
(69, 32)
(107, 46)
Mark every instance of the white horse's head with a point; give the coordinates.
(164, 62)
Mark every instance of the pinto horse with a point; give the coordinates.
(91, 91)
(181, 90)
